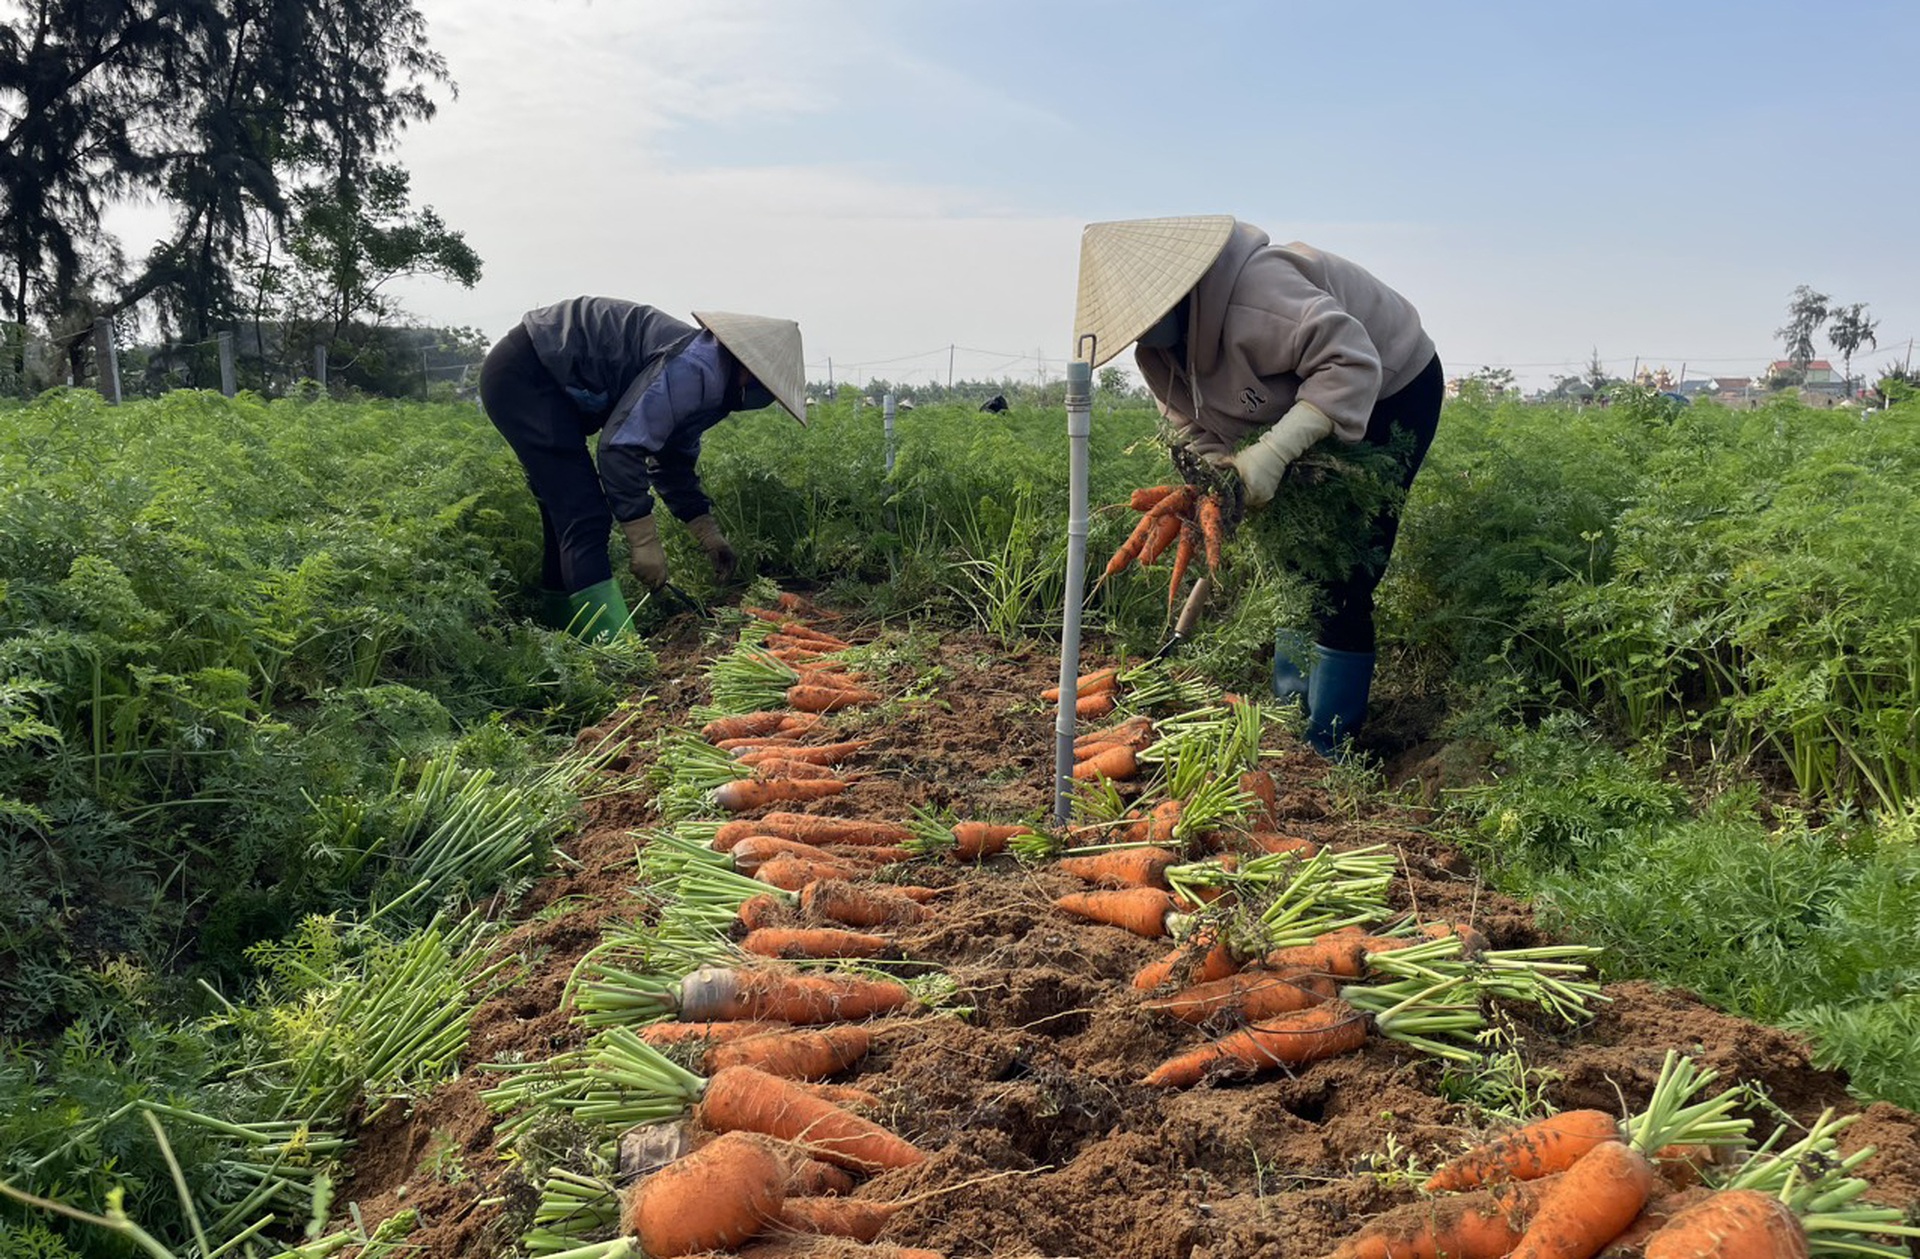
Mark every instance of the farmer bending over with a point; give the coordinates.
(650, 385)
(1255, 351)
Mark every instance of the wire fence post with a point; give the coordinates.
(106, 367)
(227, 385)
(1079, 429)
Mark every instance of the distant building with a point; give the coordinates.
(1817, 372)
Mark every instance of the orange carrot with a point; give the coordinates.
(1182, 559)
(858, 1218)
(976, 841)
(1149, 496)
(1632, 1241)
(715, 993)
(744, 794)
(795, 1055)
(830, 679)
(1342, 953)
(759, 912)
(744, 726)
(800, 630)
(1202, 959)
(1734, 1224)
(1141, 910)
(1131, 547)
(1484, 1225)
(813, 942)
(872, 855)
(1537, 1149)
(829, 830)
(1213, 529)
(1122, 867)
(822, 699)
(814, 1178)
(765, 743)
(662, 1034)
(790, 874)
(842, 1095)
(1169, 528)
(838, 901)
(741, 1099)
(1258, 783)
(1321, 1031)
(1252, 995)
(756, 850)
(817, 753)
(1593, 1203)
(1088, 684)
(1135, 732)
(785, 767)
(1114, 763)
(1158, 826)
(1273, 841)
(713, 1199)
(788, 642)
(1099, 704)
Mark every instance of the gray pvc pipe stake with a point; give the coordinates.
(1079, 428)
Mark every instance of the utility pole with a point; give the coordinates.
(950, 362)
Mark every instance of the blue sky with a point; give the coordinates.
(1542, 180)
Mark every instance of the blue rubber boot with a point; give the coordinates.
(598, 612)
(1290, 647)
(1337, 693)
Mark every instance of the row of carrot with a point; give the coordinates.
(739, 897)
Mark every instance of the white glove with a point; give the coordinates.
(1265, 461)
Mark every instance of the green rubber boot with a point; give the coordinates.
(599, 612)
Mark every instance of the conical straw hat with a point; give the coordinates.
(770, 348)
(1133, 271)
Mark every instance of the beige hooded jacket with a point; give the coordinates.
(1272, 324)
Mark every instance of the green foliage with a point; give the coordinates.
(224, 626)
(1814, 927)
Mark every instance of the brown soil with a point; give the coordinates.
(1042, 1143)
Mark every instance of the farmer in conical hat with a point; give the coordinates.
(1255, 351)
(650, 385)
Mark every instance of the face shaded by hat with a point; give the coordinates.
(1133, 274)
(770, 351)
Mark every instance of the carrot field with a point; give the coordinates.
(348, 913)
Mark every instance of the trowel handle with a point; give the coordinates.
(1190, 614)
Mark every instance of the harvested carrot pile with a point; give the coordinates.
(1210, 1017)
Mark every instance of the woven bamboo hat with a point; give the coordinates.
(770, 349)
(1134, 270)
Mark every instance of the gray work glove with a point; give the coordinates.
(707, 533)
(1262, 463)
(648, 559)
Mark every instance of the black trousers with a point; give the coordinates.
(1415, 409)
(549, 435)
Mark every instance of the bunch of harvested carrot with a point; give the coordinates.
(721, 994)
(1180, 517)
(1094, 693)
(1564, 1187)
